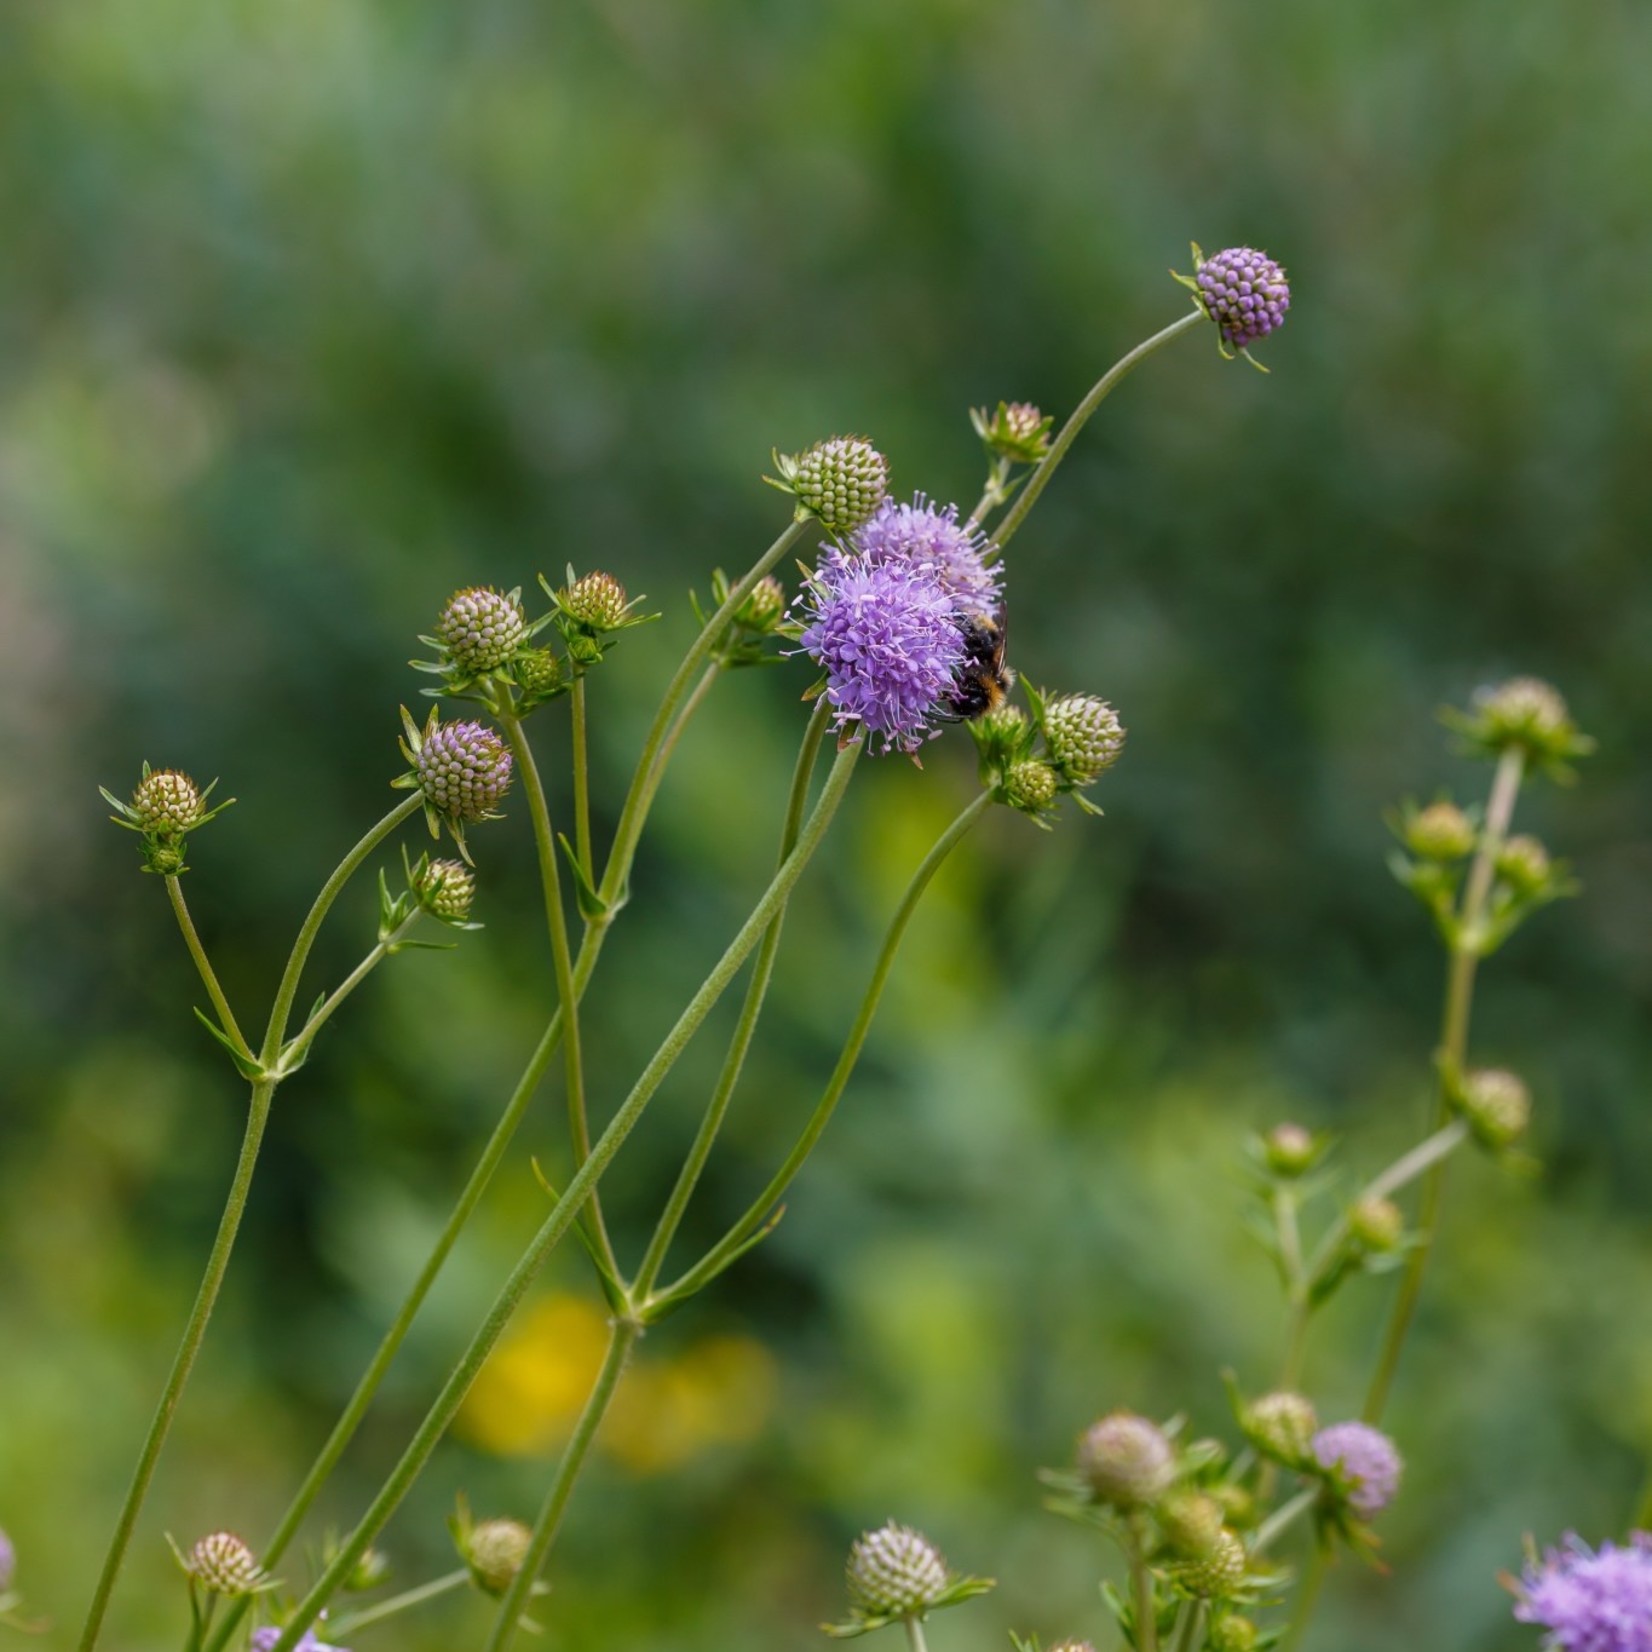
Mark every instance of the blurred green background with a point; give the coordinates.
(312, 311)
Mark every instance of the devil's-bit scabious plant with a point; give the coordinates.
(923, 536)
(1590, 1600)
(1364, 1464)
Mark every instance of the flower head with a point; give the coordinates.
(838, 482)
(480, 628)
(895, 1571)
(888, 640)
(1219, 1573)
(1126, 1460)
(1084, 735)
(495, 1551)
(1376, 1224)
(1017, 431)
(222, 1563)
(8, 1563)
(1525, 715)
(1244, 292)
(1290, 1150)
(265, 1639)
(446, 889)
(1591, 1601)
(959, 554)
(597, 601)
(1365, 1459)
(464, 769)
(1281, 1426)
(1440, 832)
(1497, 1105)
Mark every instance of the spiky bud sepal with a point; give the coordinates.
(762, 615)
(1244, 292)
(1032, 786)
(839, 482)
(896, 1575)
(463, 770)
(223, 1564)
(1003, 736)
(1015, 431)
(166, 807)
(539, 676)
(481, 635)
(1527, 715)
(446, 889)
(591, 610)
(493, 1550)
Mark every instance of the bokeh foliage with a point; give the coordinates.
(311, 311)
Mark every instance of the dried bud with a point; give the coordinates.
(495, 1550)
(1363, 1462)
(446, 889)
(1031, 786)
(1289, 1150)
(1126, 1460)
(1191, 1522)
(167, 803)
(1376, 1224)
(1220, 1573)
(764, 607)
(1497, 1105)
(1524, 863)
(464, 770)
(1440, 832)
(1017, 431)
(1084, 735)
(1281, 1426)
(221, 1563)
(481, 628)
(1243, 291)
(895, 1572)
(1231, 1634)
(596, 601)
(838, 482)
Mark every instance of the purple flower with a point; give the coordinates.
(263, 1640)
(1365, 1459)
(1598, 1601)
(959, 554)
(889, 640)
(1245, 293)
(8, 1563)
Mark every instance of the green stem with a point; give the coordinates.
(1099, 392)
(756, 990)
(622, 1337)
(647, 776)
(1459, 1000)
(299, 956)
(184, 1360)
(1282, 1518)
(442, 1412)
(582, 777)
(1313, 1580)
(760, 1211)
(1190, 1623)
(915, 1635)
(550, 877)
(305, 1037)
(1141, 1580)
(407, 1599)
(203, 966)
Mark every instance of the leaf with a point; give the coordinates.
(591, 904)
(248, 1066)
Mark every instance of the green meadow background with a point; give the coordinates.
(312, 311)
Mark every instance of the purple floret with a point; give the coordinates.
(1245, 293)
(959, 554)
(1592, 1600)
(8, 1563)
(1367, 1461)
(263, 1640)
(889, 640)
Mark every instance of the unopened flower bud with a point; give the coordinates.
(369, 1571)
(1001, 734)
(221, 1563)
(1238, 1503)
(464, 770)
(1031, 786)
(895, 1572)
(1523, 710)
(1126, 1460)
(1084, 735)
(446, 889)
(1364, 1460)
(481, 628)
(167, 803)
(1232, 1633)
(1220, 1573)
(763, 608)
(839, 482)
(1497, 1105)
(1191, 1522)
(1440, 832)
(1289, 1150)
(1016, 431)
(1244, 292)
(597, 601)
(1524, 863)
(495, 1550)
(538, 674)
(1376, 1224)
(1281, 1426)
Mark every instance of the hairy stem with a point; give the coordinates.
(1141, 1587)
(203, 966)
(403, 1602)
(305, 1037)
(442, 1412)
(622, 1337)
(1099, 392)
(727, 1248)
(1459, 1000)
(582, 777)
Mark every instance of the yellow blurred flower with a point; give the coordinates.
(719, 1391)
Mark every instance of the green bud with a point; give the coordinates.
(1440, 832)
(764, 608)
(167, 803)
(480, 628)
(495, 1550)
(840, 482)
(1526, 715)
(1126, 1460)
(1376, 1224)
(1289, 1150)
(446, 889)
(1220, 1573)
(1084, 735)
(1281, 1425)
(1524, 864)
(597, 601)
(1497, 1105)
(895, 1572)
(223, 1565)
(1191, 1522)
(538, 674)
(1231, 1633)
(1017, 431)
(1031, 786)
(1238, 1504)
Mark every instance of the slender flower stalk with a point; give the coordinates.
(299, 1047)
(1459, 1000)
(915, 1635)
(229, 1223)
(582, 776)
(1099, 392)
(1141, 1586)
(405, 1601)
(622, 1337)
(762, 1208)
(203, 966)
(447, 1403)
(550, 878)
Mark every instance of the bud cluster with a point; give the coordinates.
(1067, 744)
(895, 1575)
(166, 807)
(222, 1564)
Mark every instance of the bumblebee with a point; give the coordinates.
(983, 679)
